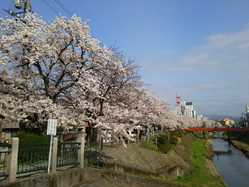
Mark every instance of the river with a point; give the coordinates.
(233, 166)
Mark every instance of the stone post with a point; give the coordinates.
(147, 134)
(54, 155)
(112, 137)
(81, 153)
(13, 159)
(138, 135)
(99, 138)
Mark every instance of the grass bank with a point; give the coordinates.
(202, 172)
(191, 154)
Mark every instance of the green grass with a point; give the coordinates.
(198, 170)
(161, 143)
(199, 175)
(193, 151)
(150, 144)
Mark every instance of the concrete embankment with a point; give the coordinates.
(89, 177)
(243, 147)
(137, 159)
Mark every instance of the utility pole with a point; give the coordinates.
(22, 7)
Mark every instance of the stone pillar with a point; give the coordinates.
(107, 138)
(13, 159)
(112, 137)
(54, 155)
(147, 134)
(99, 137)
(81, 153)
(138, 135)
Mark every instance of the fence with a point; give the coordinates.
(35, 158)
(32, 158)
(19, 161)
(4, 155)
(68, 154)
(93, 154)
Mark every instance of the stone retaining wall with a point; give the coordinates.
(89, 177)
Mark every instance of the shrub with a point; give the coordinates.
(151, 145)
(30, 139)
(165, 142)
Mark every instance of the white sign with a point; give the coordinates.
(52, 125)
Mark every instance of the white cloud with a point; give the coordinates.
(220, 49)
(235, 40)
(220, 69)
(214, 75)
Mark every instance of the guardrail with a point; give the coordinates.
(32, 158)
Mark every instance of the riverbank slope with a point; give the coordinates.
(202, 172)
(242, 146)
(188, 163)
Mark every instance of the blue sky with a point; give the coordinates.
(198, 49)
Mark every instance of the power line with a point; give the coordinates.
(2, 13)
(60, 4)
(51, 7)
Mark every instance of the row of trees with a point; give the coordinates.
(59, 68)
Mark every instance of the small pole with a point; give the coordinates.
(50, 153)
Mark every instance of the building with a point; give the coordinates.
(245, 117)
(199, 117)
(189, 109)
(228, 122)
(247, 108)
(194, 114)
(184, 108)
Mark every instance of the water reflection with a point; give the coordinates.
(231, 164)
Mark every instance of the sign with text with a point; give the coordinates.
(52, 125)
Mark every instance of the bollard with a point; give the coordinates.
(13, 159)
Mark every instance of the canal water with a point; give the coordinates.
(231, 164)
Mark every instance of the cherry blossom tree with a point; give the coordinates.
(59, 68)
(55, 61)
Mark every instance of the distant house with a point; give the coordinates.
(228, 122)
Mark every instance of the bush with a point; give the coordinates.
(178, 133)
(166, 141)
(31, 139)
(163, 139)
(151, 145)
(162, 143)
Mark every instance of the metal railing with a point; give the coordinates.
(4, 155)
(94, 155)
(32, 158)
(68, 154)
